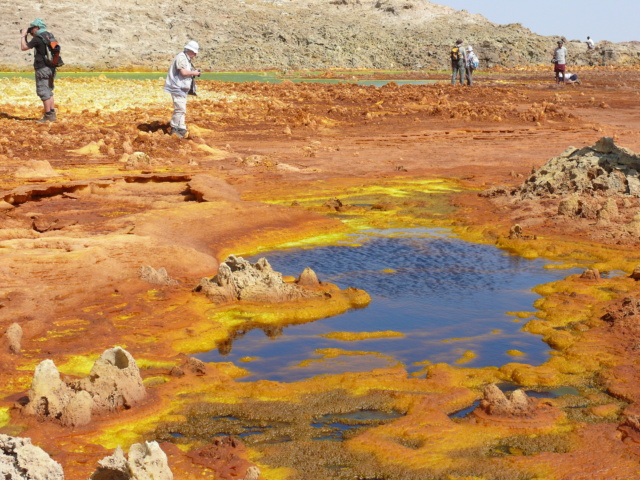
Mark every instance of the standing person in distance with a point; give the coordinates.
(178, 83)
(472, 64)
(44, 74)
(458, 62)
(560, 62)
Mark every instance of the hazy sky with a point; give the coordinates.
(614, 20)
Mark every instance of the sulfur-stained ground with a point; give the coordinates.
(71, 246)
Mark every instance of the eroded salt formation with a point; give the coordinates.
(156, 277)
(36, 169)
(495, 402)
(146, 461)
(20, 460)
(515, 409)
(13, 338)
(238, 279)
(114, 383)
(603, 168)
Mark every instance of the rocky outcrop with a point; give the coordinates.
(192, 366)
(146, 461)
(308, 278)
(156, 277)
(227, 457)
(591, 274)
(238, 279)
(51, 398)
(601, 169)
(46, 223)
(114, 383)
(13, 338)
(36, 169)
(625, 315)
(630, 428)
(20, 460)
(495, 402)
(288, 35)
(515, 409)
(140, 161)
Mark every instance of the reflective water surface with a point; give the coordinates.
(448, 297)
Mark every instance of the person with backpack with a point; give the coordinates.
(44, 64)
(180, 82)
(472, 64)
(458, 62)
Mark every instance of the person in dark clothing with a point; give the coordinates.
(458, 62)
(44, 74)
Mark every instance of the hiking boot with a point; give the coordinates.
(180, 132)
(48, 117)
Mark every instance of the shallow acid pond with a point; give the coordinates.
(448, 298)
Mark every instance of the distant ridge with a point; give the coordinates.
(282, 34)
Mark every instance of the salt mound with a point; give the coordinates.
(602, 169)
(515, 403)
(515, 410)
(36, 169)
(146, 461)
(157, 277)
(114, 383)
(20, 459)
(238, 279)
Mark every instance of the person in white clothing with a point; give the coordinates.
(180, 83)
(570, 78)
(472, 64)
(590, 44)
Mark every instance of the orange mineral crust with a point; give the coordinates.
(120, 250)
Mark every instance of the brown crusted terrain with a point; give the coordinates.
(260, 169)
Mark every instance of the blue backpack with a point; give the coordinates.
(472, 60)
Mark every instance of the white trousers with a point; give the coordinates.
(179, 112)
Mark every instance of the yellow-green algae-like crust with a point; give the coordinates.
(212, 325)
(357, 336)
(4, 416)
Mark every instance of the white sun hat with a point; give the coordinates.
(193, 46)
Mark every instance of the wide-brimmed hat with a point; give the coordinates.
(193, 46)
(458, 42)
(560, 42)
(470, 48)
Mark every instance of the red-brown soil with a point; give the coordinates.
(70, 247)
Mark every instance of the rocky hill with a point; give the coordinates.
(282, 34)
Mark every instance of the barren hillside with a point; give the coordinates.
(282, 34)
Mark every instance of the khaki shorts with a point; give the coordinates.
(44, 83)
